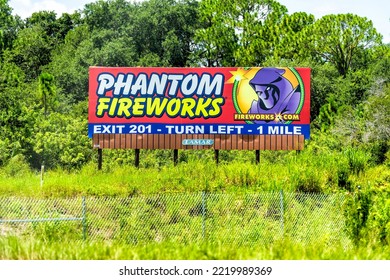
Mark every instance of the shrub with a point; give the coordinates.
(357, 210)
(387, 160)
(357, 159)
(62, 141)
(17, 166)
(309, 181)
(379, 220)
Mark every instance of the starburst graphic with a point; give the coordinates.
(240, 74)
(278, 118)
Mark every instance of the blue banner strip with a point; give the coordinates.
(228, 129)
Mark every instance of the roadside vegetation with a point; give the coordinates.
(15, 248)
(44, 62)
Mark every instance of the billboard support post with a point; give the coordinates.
(216, 156)
(257, 156)
(175, 156)
(136, 158)
(100, 159)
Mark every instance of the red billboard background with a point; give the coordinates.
(247, 98)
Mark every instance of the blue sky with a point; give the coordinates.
(376, 10)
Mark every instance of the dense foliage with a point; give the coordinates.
(44, 62)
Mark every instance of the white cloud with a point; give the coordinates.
(375, 10)
(50, 5)
(24, 8)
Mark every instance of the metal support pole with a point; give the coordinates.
(257, 156)
(42, 174)
(136, 158)
(100, 159)
(175, 156)
(216, 156)
(84, 210)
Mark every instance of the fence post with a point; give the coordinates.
(42, 174)
(84, 210)
(203, 215)
(281, 195)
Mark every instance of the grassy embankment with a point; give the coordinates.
(325, 173)
(15, 248)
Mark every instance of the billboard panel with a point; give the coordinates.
(204, 101)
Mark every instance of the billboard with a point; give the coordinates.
(204, 101)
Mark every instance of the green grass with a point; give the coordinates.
(279, 170)
(325, 172)
(18, 249)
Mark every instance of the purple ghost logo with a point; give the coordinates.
(275, 93)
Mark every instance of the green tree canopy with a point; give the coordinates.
(31, 51)
(342, 39)
(9, 26)
(169, 27)
(238, 32)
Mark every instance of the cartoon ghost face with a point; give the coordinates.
(268, 95)
(270, 85)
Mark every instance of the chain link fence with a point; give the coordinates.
(185, 218)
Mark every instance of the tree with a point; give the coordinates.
(342, 39)
(54, 28)
(216, 40)
(165, 28)
(115, 15)
(365, 121)
(83, 48)
(69, 66)
(325, 81)
(291, 41)
(31, 50)
(377, 125)
(238, 32)
(33, 46)
(118, 33)
(9, 26)
(258, 26)
(15, 118)
(47, 92)
(63, 140)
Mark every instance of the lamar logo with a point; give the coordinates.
(198, 142)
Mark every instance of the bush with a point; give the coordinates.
(309, 181)
(16, 167)
(343, 173)
(379, 220)
(378, 150)
(387, 160)
(367, 210)
(357, 159)
(62, 141)
(356, 213)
